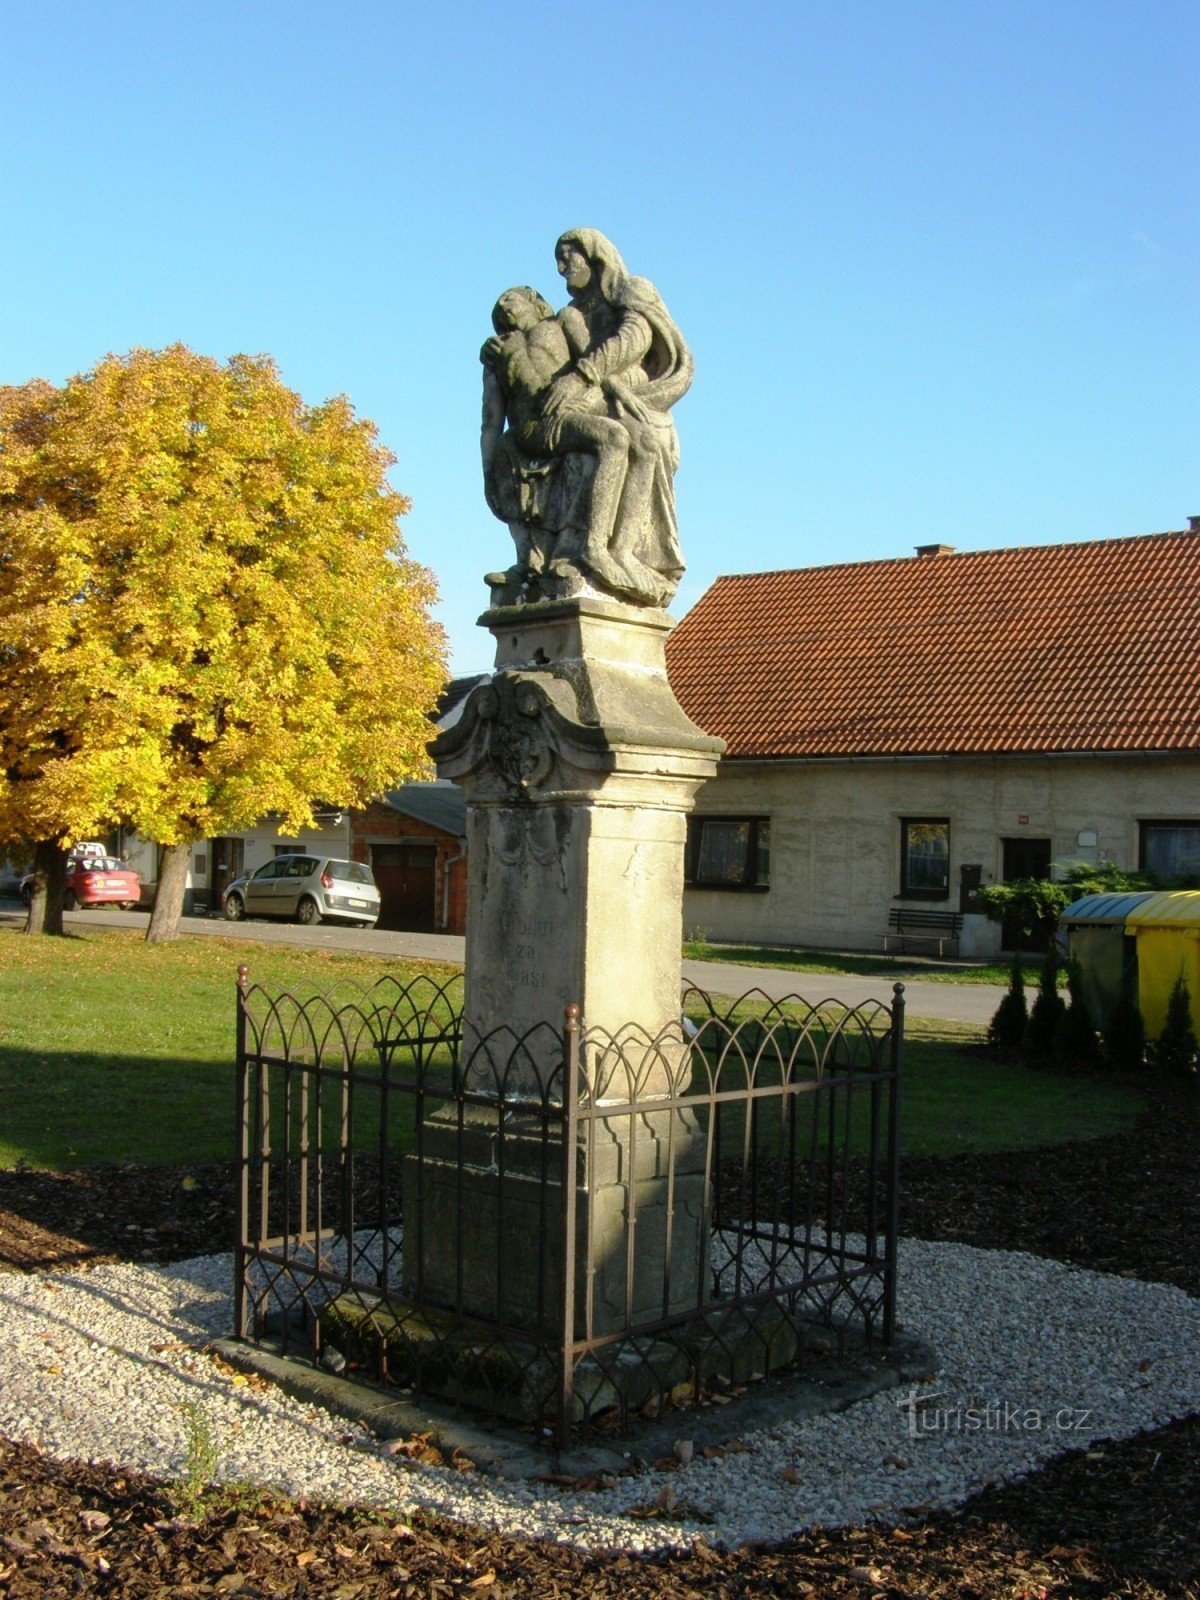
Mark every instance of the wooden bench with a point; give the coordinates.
(928, 927)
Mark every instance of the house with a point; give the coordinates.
(900, 731)
(415, 839)
(216, 862)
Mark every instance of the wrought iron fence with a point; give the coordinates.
(566, 1228)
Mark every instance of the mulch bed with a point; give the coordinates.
(1120, 1520)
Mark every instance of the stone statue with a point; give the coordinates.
(579, 449)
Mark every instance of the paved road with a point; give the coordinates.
(945, 1002)
(949, 1002)
(327, 936)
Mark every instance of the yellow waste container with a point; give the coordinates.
(1167, 928)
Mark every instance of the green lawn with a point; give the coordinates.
(867, 966)
(957, 1098)
(115, 1050)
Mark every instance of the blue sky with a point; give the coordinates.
(938, 262)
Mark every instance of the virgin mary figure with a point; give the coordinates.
(587, 500)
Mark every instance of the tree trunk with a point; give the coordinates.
(49, 886)
(168, 902)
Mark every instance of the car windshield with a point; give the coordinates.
(350, 871)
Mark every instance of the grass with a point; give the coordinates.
(112, 1050)
(958, 1098)
(840, 961)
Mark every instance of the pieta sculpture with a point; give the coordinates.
(579, 449)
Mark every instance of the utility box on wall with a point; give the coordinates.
(970, 877)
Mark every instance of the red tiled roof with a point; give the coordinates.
(1082, 647)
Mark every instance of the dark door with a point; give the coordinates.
(228, 858)
(1024, 858)
(406, 877)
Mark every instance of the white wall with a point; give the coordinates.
(264, 842)
(835, 832)
(260, 846)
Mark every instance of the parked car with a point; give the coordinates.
(309, 888)
(12, 875)
(94, 879)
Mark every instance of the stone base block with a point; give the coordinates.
(483, 1208)
(518, 1378)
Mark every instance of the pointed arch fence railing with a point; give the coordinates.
(568, 1228)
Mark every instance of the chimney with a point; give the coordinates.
(1194, 524)
(924, 551)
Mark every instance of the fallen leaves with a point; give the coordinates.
(422, 1449)
(1051, 1534)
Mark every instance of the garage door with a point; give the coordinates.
(406, 876)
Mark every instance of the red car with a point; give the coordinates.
(94, 881)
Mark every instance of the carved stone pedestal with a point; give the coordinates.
(580, 768)
(490, 1239)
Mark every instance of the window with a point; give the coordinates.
(350, 871)
(728, 853)
(1170, 849)
(925, 858)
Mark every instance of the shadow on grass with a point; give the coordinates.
(73, 1110)
(76, 1109)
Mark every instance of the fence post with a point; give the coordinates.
(569, 1142)
(893, 1166)
(241, 1144)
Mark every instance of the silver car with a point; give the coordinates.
(309, 888)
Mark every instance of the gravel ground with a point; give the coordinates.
(1038, 1358)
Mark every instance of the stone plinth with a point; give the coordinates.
(476, 1248)
(579, 768)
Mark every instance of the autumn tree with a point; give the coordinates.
(44, 711)
(209, 599)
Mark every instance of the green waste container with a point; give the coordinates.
(1102, 942)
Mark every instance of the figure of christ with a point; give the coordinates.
(530, 350)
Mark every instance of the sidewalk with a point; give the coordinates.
(945, 1002)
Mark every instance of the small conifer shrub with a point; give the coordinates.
(1175, 1051)
(1125, 1033)
(1007, 1027)
(1076, 1045)
(1047, 1009)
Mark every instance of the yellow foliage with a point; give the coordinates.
(207, 613)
